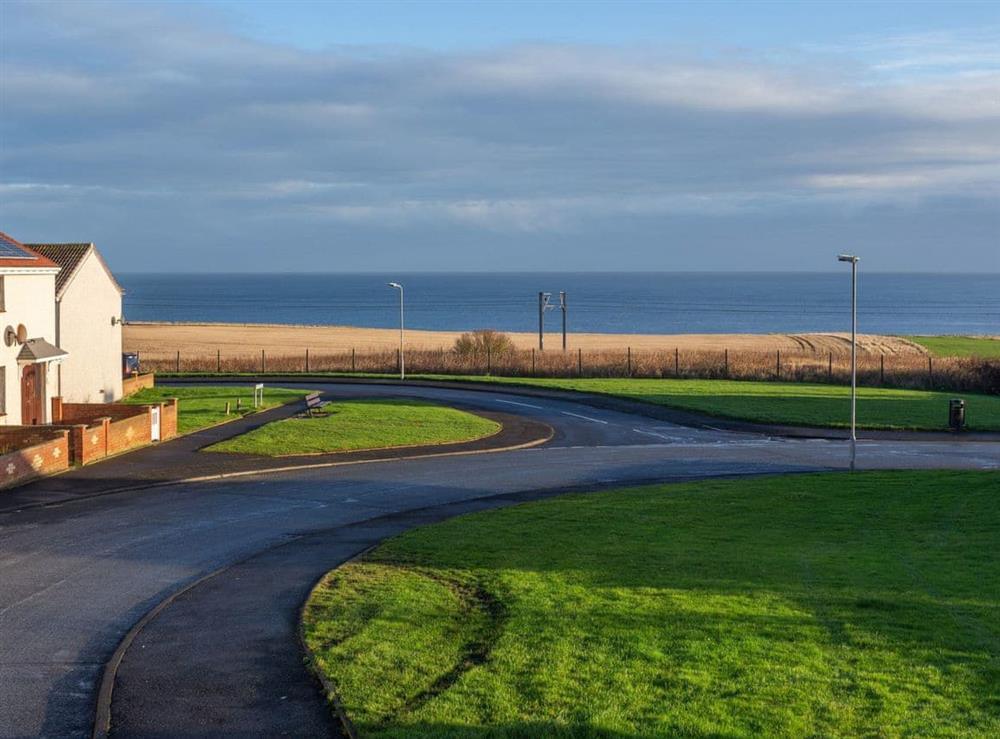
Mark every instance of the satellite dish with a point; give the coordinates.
(9, 336)
(22, 333)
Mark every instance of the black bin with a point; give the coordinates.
(130, 363)
(956, 414)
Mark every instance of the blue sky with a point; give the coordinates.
(465, 25)
(504, 136)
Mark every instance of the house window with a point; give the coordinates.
(3, 391)
(3, 305)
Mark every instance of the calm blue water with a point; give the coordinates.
(616, 303)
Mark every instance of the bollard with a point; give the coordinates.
(227, 408)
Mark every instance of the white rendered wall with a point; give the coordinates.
(29, 299)
(92, 373)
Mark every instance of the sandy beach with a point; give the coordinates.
(237, 340)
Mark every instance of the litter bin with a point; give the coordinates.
(956, 414)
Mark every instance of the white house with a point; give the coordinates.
(60, 319)
(29, 349)
(88, 323)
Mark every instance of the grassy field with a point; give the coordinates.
(809, 605)
(362, 424)
(959, 346)
(199, 407)
(797, 404)
(791, 403)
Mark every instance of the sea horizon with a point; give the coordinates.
(605, 302)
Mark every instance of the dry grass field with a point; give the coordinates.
(157, 340)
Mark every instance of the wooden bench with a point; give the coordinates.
(314, 403)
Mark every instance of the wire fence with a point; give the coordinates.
(880, 370)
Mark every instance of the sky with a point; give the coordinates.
(516, 136)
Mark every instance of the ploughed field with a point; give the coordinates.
(204, 340)
(801, 605)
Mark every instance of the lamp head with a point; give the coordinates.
(396, 285)
(847, 258)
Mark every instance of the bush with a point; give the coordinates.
(482, 342)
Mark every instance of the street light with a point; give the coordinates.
(402, 370)
(854, 351)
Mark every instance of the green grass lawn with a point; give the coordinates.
(959, 346)
(797, 404)
(199, 407)
(807, 605)
(792, 403)
(362, 424)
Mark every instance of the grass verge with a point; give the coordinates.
(787, 403)
(959, 346)
(362, 424)
(820, 605)
(199, 407)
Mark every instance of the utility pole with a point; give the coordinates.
(563, 305)
(543, 305)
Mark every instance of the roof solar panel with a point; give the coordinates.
(10, 249)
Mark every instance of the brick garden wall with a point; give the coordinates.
(46, 453)
(135, 383)
(99, 430)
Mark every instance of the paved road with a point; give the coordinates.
(74, 577)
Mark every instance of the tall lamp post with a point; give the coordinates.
(402, 365)
(854, 352)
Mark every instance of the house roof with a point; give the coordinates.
(69, 257)
(15, 254)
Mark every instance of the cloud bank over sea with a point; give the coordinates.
(177, 142)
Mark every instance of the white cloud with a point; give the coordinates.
(137, 103)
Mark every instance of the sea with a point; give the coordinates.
(647, 302)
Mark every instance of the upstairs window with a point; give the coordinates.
(3, 304)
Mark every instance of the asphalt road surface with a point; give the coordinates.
(74, 577)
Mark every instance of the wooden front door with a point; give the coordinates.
(31, 394)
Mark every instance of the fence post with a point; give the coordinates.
(881, 369)
(218, 360)
(726, 360)
(829, 369)
(489, 360)
(579, 361)
(307, 359)
(177, 366)
(677, 362)
(777, 365)
(353, 364)
(532, 361)
(262, 361)
(629, 365)
(398, 360)
(930, 372)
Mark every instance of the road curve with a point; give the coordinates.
(76, 576)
